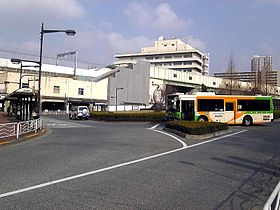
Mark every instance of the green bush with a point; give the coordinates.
(129, 116)
(196, 127)
(276, 114)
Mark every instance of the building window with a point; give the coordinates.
(175, 75)
(178, 56)
(177, 63)
(56, 89)
(188, 55)
(81, 91)
(187, 63)
(214, 83)
(149, 58)
(190, 77)
(168, 56)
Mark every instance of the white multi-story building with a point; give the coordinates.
(172, 54)
(261, 63)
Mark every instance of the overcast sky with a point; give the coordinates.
(107, 27)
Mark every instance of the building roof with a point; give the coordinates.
(164, 46)
(58, 69)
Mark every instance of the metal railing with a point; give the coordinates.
(18, 128)
(273, 202)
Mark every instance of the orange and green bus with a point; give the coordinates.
(231, 109)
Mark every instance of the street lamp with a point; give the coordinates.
(28, 75)
(44, 31)
(116, 97)
(19, 61)
(29, 80)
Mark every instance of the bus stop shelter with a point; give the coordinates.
(22, 103)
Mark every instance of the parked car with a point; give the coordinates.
(79, 112)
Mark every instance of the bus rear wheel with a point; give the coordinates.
(202, 119)
(247, 121)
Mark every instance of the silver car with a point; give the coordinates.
(79, 112)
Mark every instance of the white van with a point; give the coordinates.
(79, 112)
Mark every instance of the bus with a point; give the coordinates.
(231, 109)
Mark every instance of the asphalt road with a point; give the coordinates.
(238, 171)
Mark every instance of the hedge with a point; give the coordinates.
(196, 127)
(129, 116)
(276, 114)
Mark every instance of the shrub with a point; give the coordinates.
(196, 127)
(129, 116)
(276, 114)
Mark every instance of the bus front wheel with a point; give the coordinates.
(202, 119)
(247, 120)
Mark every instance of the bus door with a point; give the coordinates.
(230, 114)
(188, 110)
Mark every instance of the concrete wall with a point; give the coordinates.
(135, 84)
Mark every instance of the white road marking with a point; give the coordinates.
(153, 127)
(174, 137)
(116, 166)
(86, 174)
(218, 138)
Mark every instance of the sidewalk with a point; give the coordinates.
(4, 118)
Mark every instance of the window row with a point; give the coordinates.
(186, 55)
(56, 89)
(177, 63)
(242, 105)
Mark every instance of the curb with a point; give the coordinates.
(23, 138)
(198, 137)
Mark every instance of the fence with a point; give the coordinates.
(273, 202)
(18, 128)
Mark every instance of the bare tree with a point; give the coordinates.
(230, 85)
(231, 70)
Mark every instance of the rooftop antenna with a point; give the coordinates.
(62, 55)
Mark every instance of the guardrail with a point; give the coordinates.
(19, 128)
(273, 202)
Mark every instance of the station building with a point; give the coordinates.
(61, 88)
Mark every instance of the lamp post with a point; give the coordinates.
(19, 61)
(28, 75)
(24, 66)
(45, 31)
(29, 80)
(116, 97)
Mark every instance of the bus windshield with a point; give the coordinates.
(173, 103)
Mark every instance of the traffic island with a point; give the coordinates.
(197, 130)
(198, 137)
(136, 116)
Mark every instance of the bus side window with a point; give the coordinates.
(229, 106)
